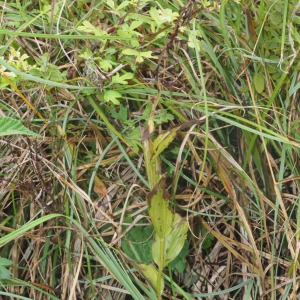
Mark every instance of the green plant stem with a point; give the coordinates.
(161, 266)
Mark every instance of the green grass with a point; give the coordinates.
(217, 83)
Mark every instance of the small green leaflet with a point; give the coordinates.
(259, 82)
(117, 79)
(4, 272)
(112, 96)
(140, 56)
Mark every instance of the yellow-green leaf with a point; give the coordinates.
(176, 239)
(159, 211)
(151, 274)
(156, 251)
(162, 142)
(173, 243)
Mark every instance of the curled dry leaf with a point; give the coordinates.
(99, 187)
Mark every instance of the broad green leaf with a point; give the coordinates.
(173, 243)
(259, 82)
(159, 211)
(4, 272)
(208, 239)
(167, 15)
(137, 242)
(10, 126)
(154, 13)
(150, 272)
(156, 250)
(112, 96)
(176, 239)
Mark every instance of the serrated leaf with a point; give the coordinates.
(10, 126)
(117, 79)
(159, 211)
(140, 56)
(151, 274)
(259, 82)
(121, 115)
(106, 65)
(112, 96)
(87, 54)
(133, 139)
(162, 116)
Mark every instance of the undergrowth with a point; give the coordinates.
(160, 158)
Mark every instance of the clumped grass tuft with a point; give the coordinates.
(134, 108)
